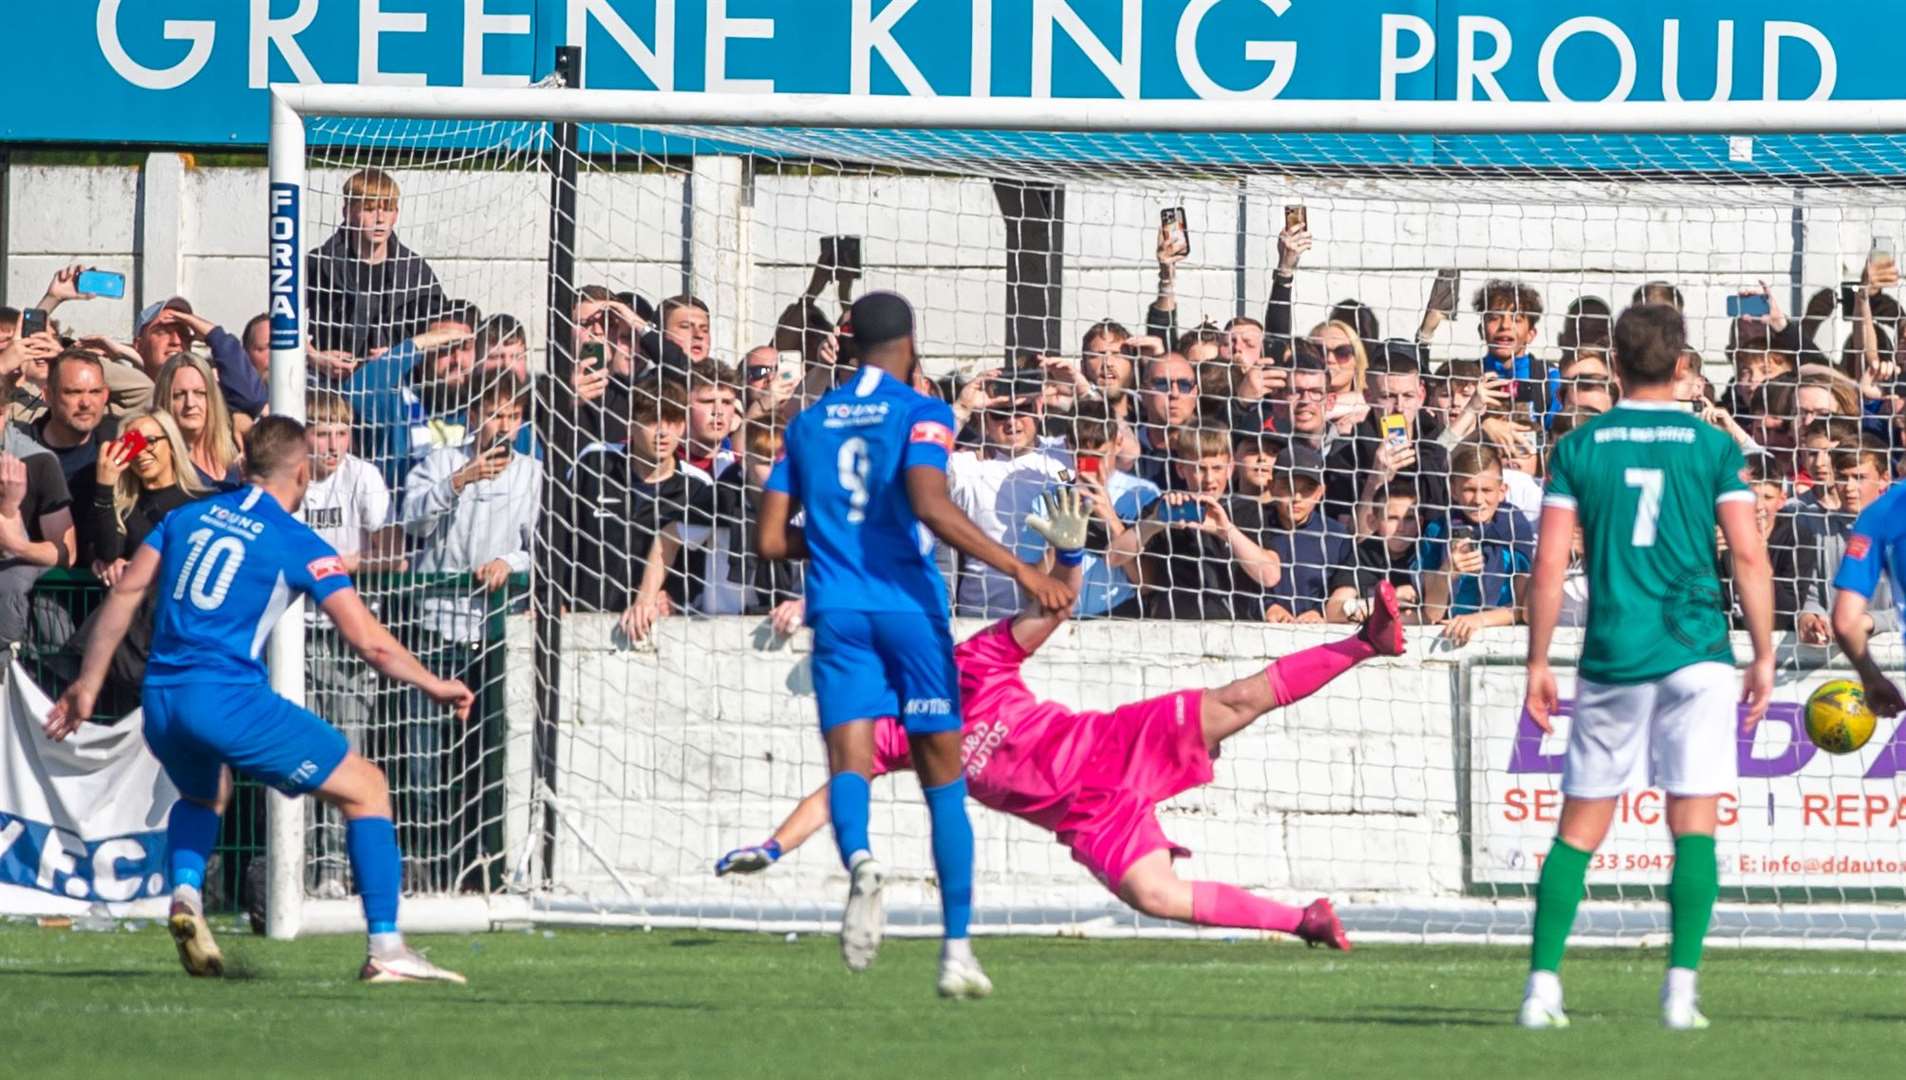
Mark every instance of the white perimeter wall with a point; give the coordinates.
(174, 227)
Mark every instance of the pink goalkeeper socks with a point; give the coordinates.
(1301, 674)
(1216, 904)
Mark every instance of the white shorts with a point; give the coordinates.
(1677, 734)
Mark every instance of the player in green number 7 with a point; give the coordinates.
(1648, 481)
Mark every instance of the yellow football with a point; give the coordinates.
(1838, 720)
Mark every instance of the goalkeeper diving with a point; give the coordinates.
(1095, 779)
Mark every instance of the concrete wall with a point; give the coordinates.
(174, 226)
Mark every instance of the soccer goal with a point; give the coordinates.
(602, 776)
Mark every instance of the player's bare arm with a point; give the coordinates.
(807, 819)
(926, 490)
(775, 539)
(1554, 540)
(1754, 583)
(378, 648)
(76, 705)
(1853, 628)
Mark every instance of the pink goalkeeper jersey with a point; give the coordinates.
(1023, 756)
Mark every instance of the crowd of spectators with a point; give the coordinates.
(1249, 471)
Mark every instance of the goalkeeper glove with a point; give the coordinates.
(749, 860)
(1063, 522)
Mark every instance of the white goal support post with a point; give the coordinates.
(602, 776)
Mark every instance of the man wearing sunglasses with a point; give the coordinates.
(1168, 404)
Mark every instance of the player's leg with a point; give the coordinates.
(1695, 724)
(919, 654)
(1153, 887)
(1607, 756)
(204, 786)
(852, 690)
(1290, 679)
(361, 795)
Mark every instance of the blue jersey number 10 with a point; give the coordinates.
(217, 562)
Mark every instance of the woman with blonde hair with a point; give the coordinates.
(1349, 366)
(188, 390)
(141, 479)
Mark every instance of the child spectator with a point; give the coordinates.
(1510, 311)
(739, 582)
(714, 412)
(472, 508)
(1862, 474)
(621, 497)
(186, 388)
(1770, 494)
(1315, 552)
(366, 291)
(347, 502)
(1389, 531)
(1193, 560)
(1476, 561)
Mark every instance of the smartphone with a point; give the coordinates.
(1296, 217)
(592, 354)
(847, 251)
(1091, 465)
(1849, 298)
(134, 442)
(1738, 306)
(101, 283)
(1187, 511)
(1523, 392)
(1462, 534)
(788, 365)
(1396, 430)
(1444, 291)
(32, 321)
(1172, 220)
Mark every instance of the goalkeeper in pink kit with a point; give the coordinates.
(1094, 779)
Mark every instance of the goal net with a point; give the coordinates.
(629, 731)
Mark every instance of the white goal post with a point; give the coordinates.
(1404, 790)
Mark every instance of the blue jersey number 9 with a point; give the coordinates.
(854, 467)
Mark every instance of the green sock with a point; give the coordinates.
(1557, 894)
(1692, 890)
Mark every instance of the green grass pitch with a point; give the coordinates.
(614, 1003)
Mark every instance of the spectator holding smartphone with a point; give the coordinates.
(1462, 396)
(1188, 556)
(1398, 439)
(1116, 499)
(366, 292)
(1389, 531)
(999, 483)
(139, 477)
(1477, 559)
(128, 387)
(1510, 311)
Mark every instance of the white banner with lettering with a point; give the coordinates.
(82, 821)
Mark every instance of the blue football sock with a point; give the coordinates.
(952, 854)
(190, 832)
(372, 845)
(848, 794)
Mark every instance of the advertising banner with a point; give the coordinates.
(1802, 818)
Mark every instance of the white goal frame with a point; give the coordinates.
(290, 913)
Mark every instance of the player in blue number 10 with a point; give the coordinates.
(225, 569)
(867, 465)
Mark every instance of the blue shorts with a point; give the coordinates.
(873, 664)
(193, 730)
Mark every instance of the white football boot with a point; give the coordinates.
(864, 922)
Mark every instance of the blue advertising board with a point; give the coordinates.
(194, 72)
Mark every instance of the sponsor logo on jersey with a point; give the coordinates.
(976, 749)
(929, 431)
(329, 566)
(856, 414)
(233, 520)
(932, 706)
(1644, 435)
(1857, 546)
